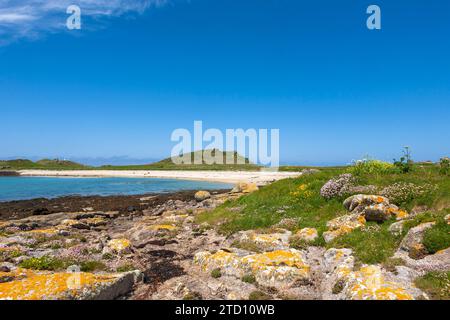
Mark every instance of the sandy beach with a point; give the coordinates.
(258, 177)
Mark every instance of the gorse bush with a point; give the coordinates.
(371, 166)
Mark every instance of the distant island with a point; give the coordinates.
(240, 163)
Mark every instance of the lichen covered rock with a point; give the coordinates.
(202, 195)
(280, 268)
(244, 187)
(369, 284)
(343, 225)
(120, 245)
(266, 241)
(30, 285)
(373, 207)
(307, 234)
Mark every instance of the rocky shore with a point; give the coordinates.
(152, 247)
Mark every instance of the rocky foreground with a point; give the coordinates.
(162, 253)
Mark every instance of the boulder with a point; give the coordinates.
(202, 195)
(26, 284)
(279, 269)
(244, 187)
(374, 208)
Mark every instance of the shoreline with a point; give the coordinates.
(258, 177)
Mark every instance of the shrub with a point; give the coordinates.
(249, 278)
(444, 166)
(337, 187)
(370, 166)
(405, 164)
(402, 192)
(216, 273)
(89, 266)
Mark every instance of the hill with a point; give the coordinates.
(239, 163)
(55, 164)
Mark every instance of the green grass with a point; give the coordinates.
(373, 244)
(48, 263)
(436, 284)
(300, 198)
(438, 237)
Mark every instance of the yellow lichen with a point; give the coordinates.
(167, 227)
(30, 285)
(46, 232)
(369, 284)
(119, 245)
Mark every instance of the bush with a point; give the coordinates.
(444, 166)
(402, 192)
(337, 187)
(371, 166)
(216, 273)
(249, 278)
(405, 164)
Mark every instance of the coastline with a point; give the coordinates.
(258, 177)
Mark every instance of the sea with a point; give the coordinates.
(24, 188)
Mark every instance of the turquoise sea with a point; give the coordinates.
(22, 188)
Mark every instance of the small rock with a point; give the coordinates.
(307, 234)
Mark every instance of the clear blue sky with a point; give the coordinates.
(119, 86)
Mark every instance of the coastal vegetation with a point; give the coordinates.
(424, 188)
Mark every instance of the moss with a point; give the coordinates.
(435, 284)
(259, 295)
(126, 268)
(89, 266)
(216, 273)
(246, 245)
(338, 286)
(249, 278)
(193, 296)
(108, 256)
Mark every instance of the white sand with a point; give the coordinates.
(257, 177)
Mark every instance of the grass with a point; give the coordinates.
(373, 244)
(438, 237)
(436, 284)
(216, 273)
(48, 263)
(300, 198)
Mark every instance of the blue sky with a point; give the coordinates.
(140, 69)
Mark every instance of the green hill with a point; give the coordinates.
(238, 163)
(55, 164)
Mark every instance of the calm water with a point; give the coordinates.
(21, 188)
